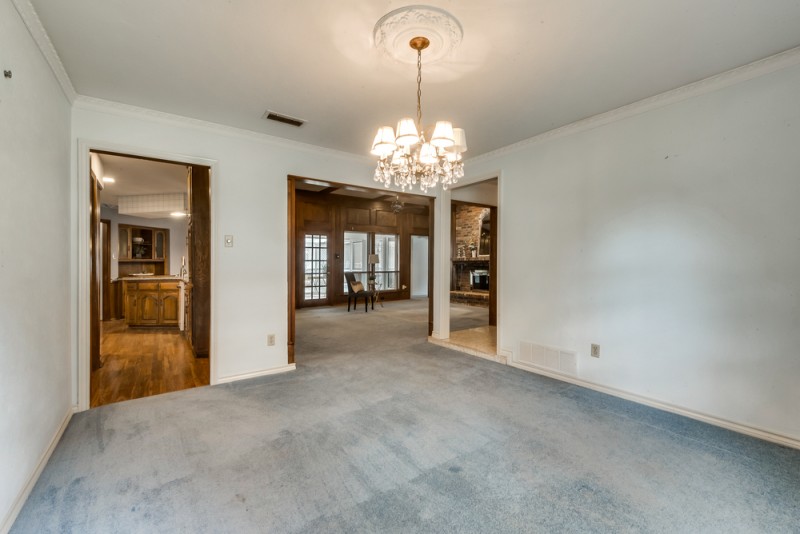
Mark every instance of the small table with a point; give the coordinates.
(375, 287)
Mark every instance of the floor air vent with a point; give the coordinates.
(550, 358)
(272, 116)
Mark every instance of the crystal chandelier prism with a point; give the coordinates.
(406, 158)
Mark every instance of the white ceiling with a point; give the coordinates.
(524, 66)
(136, 176)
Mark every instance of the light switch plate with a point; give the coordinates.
(228, 240)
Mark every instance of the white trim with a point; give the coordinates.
(160, 117)
(255, 374)
(788, 58)
(441, 264)
(19, 502)
(31, 20)
(83, 212)
(647, 401)
(446, 343)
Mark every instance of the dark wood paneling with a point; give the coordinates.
(357, 216)
(292, 263)
(314, 213)
(200, 258)
(385, 218)
(493, 267)
(360, 215)
(105, 232)
(94, 273)
(431, 240)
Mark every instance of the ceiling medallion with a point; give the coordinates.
(408, 159)
(394, 30)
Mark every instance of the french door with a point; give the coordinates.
(316, 279)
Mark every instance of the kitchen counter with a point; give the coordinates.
(156, 300)
(154, 278)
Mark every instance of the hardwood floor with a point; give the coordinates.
(139, 362)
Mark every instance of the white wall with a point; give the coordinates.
(672, 239)
(419, 266)
(34, 259)
(249, 293)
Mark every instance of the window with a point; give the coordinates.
(357, 247)
(356, 250)
(387, 271)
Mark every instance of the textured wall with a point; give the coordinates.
(670, 238)
(35, 247)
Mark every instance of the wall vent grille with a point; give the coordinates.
(286, 119)
(552, 358)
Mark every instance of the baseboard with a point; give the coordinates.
(19, 502)
(759, 433)
(254, 374)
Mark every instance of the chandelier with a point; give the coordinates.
(407, 158)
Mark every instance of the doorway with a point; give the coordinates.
(334, 229)
(152, 332)
(419, 266)
(473, 269)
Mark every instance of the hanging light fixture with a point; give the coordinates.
(397, 206)
(406, 158)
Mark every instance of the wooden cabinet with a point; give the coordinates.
(143, 249)
(169, 312)
(152, 303)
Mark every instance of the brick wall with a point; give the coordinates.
(468, 226)
(467, 230)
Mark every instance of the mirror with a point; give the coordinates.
(122, 252)
(159, 244)
(485, 245)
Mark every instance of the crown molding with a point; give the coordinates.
(31, 20)
(782, 60)
(126, 110)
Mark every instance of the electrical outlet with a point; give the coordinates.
(271, 340)
(595, 350)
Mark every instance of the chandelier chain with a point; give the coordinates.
(419, 89)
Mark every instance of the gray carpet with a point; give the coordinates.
(379, 431)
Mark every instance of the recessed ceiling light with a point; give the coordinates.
(108, 180)
(178, 214)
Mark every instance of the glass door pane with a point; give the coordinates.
(356, 250)
(315, 270)
(387, 271)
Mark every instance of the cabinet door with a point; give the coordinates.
(124, 250)
(147, 307)
(170, 306)
(159, 245)
(130, 305)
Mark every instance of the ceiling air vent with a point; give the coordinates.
(272, 116)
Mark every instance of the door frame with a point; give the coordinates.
(82, 325)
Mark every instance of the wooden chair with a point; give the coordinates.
(355, 291)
